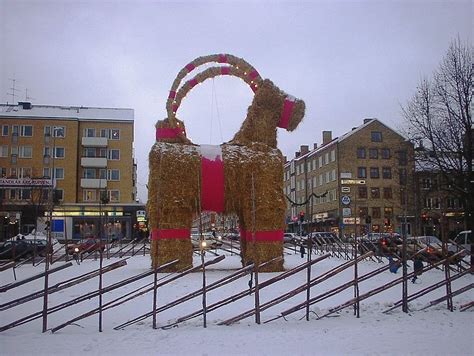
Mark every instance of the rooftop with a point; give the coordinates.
(28, 110)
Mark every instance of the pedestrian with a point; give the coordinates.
(393, 265)
(302, 251)
(417, 268)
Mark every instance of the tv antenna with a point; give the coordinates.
(13, 90)
(28, 98)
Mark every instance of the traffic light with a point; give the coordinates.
(301, 216)
(424, 217)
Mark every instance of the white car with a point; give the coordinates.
(463, 240)
(208, 241)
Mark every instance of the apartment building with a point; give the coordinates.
(76, 161)
(352, 184)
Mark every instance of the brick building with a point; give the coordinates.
(87, 153)
(358, 182)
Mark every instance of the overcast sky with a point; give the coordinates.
(347, 60)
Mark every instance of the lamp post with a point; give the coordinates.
(49, 245)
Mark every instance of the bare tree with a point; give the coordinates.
(439, 118)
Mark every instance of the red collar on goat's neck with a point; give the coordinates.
(286, 112)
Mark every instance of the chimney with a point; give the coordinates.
(327, 137)
(304, 149)
(297, 154)
(369, 119)
(315, 145)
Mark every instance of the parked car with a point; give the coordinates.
(289, 237)
(464, 240)
(208, 240)
(88, 245)
(381, 243)
(23, 248)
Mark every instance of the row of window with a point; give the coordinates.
(375, 192)
(311, 164)
(109, 174)
(59, 152)
(93, 195)
(25, 194)
(373, 153)
(375, 172)
(89, 195)
(89, 173)
(111, 134)
(59, 131)
(376, 212)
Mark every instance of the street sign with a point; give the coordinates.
(345, 199)
(350, 221)
(345, 189)
(352, 181)
(346, 212)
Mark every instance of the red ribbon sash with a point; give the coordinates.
(212, 179)
(262, 236)
(166, 234)
(288, 105)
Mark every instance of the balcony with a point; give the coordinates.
(94, 162)
(93, 183)
(94, 141)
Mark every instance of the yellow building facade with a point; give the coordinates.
(76, 161)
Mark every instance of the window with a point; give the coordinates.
(402, 158)
(436, 203)
(387, 173)
(89, 132)
(328, 177)
(375, 193)
(426, 183)
(388, 211)
(385, 153)
(59, 152)
(3, 172)
(114, 154)
(14, 150)
(320, 179)
(308, 168)
(26, 130)
(26, 152)
(59, 194)
(89, 173)
(115, 134)
(361, 152)
(333, 155)
(47, 130)
(25, 194)
(376, 136)
(114, 195)
(333, 175)
(15, 130)
(361, 172)
(13, 172)
(374, 172)
(46, 173)
(326, 158)
(320, 161)
(4, 151)
(376, 213)
(24, 172)
(363, 212)
(59, 173)
(428, 203)
(373, 153)
(315, 181)
(362, 192)
(46, 151)
(314, 164)
(59, 131)
(387, 193)
(5, 130)
(403, 176)
(89, 195)
(89, 152)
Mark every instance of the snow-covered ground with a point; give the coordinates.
(434, 331)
